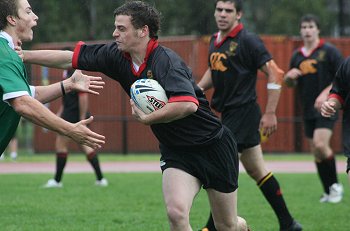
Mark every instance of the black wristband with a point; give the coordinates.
(62, 88)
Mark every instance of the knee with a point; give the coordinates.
(320, 146)
(177, 216)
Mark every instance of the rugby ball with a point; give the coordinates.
(148, 95)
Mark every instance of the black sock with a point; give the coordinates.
(210, 223)
(61, 160)
(273, 194)
(92, 158)
(327, 172)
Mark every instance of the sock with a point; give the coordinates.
(92, 158)
(273, 194)
(61, 160)
(327, 172)
(210, 224)
(13, 155)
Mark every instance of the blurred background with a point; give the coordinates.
(186, 28)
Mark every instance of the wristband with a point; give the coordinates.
(62, 88)
(273, 86)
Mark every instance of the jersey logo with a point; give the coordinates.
(149, 74)
(232, 49)
(308, 66)
(216, 63)
(321, 56)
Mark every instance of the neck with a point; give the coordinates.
(138, 54)
(224, 33)
(15, 39)
(310, 45)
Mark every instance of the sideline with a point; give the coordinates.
(147, 166)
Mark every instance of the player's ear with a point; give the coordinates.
(144, 31)
(11, 20)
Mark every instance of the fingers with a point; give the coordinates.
(92, 139)
(327, 109)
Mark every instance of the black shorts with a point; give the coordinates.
(322, 122)
(73, 116)
(215, 165)
(244, 124)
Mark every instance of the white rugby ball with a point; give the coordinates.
(148, 95)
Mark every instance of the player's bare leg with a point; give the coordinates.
(179, 191)
(224, 209)
(326, 165)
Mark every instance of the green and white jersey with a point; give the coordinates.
(13, 83)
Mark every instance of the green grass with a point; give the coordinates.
(133, 201)
(25, 156)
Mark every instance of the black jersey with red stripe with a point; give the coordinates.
(341, 91)
(165, 66)
(234, 63)
(318, 70)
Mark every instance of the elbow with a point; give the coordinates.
(191, 108)
(19, 104)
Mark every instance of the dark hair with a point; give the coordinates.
(238, 4)
(141, 14)
(310, 18)
(7, 7)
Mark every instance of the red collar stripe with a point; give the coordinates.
(232, 34)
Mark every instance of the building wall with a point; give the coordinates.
(124, 135)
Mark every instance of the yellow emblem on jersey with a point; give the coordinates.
(216, 63)
(308, 66)
(321, 56)
(232, 48)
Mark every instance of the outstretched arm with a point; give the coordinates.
(49, 58)
(37, 113)
(78, 82)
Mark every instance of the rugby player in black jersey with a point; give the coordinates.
(235, 56)
(312, 69)
(196, 149)
(74, 107)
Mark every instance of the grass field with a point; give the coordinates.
(133, 201)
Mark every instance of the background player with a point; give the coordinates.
(313, 67)
(235, 56)
(74, 107)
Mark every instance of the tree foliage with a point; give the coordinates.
(66, 20)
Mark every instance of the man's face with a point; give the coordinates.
(226, 16)
(126, 36)
(26, 21)
(309, 31)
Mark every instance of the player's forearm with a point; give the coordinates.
(49, 58)
(272, 101)
(37, 113)
(48, 93)
(206, 82)
(171, 112)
